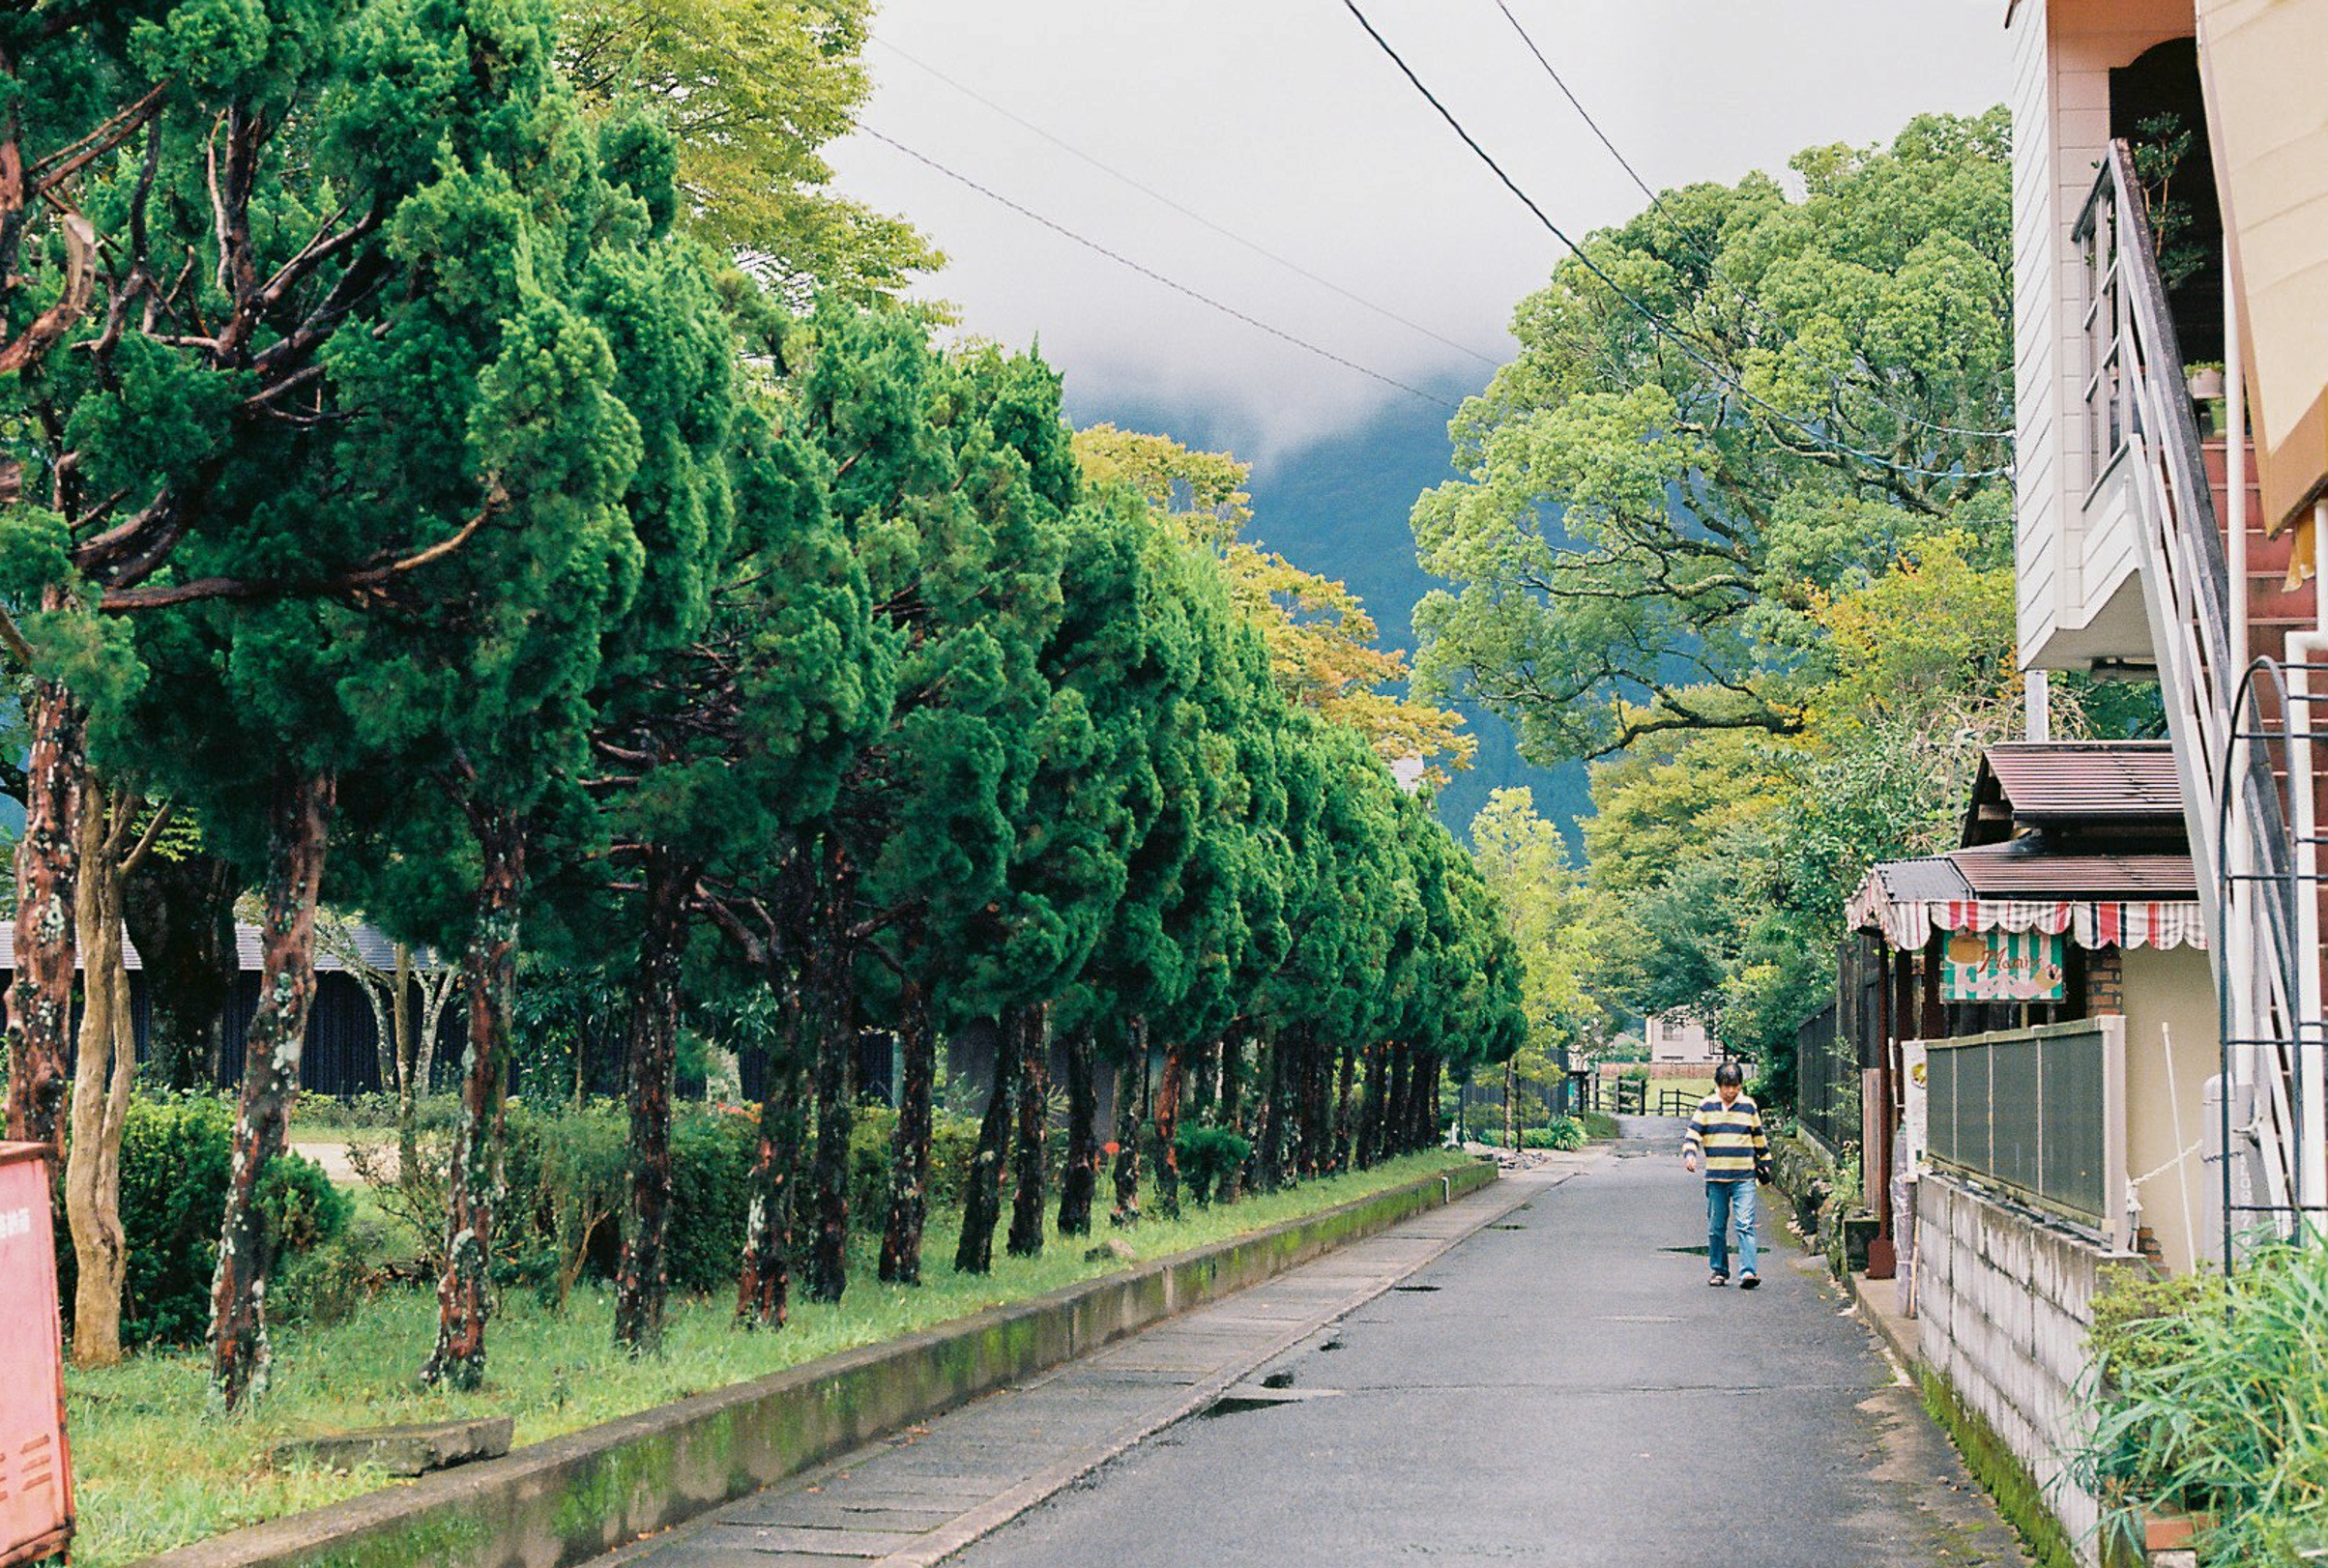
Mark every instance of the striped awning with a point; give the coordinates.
(1908, 924)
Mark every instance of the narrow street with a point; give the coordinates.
(1557, 1386)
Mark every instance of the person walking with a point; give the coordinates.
(1726, 1133)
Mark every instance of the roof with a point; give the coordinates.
(2030, 866)
(2117, 786)
(1926, 879)
(372, 947)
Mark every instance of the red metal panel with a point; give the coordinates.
(36, 1472)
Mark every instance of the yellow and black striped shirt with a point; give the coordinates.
(1729, 1137)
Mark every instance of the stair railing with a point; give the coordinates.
(2246, 862)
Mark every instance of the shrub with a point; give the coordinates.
(1208, 1157)
(2207, 1403)
(299, 1205)
(954, 1140)
(177, 1154)
(713, 1151)
(1562, 1132)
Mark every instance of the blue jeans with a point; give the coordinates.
(1726, 1201)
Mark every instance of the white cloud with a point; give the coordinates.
(1283, 122)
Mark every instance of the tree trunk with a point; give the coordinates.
(180, 913)
(1426, 1101)
(1343, 1131)
(762, 1294)
(1267, 1071)
(910, 1145)
(1128, 1079)
(1204, 1083)
(1370, 1114)
(399, 1021)
(1397, 1116)
(982, 1196)
(1168, 1131)
(833, 1005)
(1081, 1177)
(474, 1190)
(40, 999)
(298, 835)
(103, 1074)
(1232, 1112)
(1511, 1105)
(1033, 1029)
(642, 1279)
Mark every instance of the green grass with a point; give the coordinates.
(156, 1464)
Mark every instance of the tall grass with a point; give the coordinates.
(156, 1463)
(2211, 1398)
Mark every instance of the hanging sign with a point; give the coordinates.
(2002, 966)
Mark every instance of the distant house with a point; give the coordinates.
(342, 1053)
(1680, 1035)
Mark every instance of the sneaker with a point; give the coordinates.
(1749, 1282)
(1718, 1279)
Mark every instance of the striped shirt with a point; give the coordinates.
(1729, 1137)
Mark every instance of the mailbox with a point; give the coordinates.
(36, 1480)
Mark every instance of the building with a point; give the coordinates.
(1680, 1035)
(2082, 1028)
(342, 1052)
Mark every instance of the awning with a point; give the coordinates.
(1909, 923)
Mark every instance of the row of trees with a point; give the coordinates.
(399, 486)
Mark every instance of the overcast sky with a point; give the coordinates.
(1280, 120)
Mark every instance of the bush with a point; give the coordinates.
(954, 1140)
(299, 1205)
(2208, 1401)
(1562, 1133)
(177, 1154)
(713, 1151)
(1208, 1157)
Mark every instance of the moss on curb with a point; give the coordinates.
(575, 1498)
(2016, 1494)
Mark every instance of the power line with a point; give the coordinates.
(1190, 214)
(1657, 201)
(1663, 327)
(1151, 274)
(1583, 113)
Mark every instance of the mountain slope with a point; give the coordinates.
(1339, 508)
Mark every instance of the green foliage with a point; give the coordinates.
(713, 1151)
(176, 1155)
(1635, 543)
(1208, 1157)
(2209, 1401)
(1565, 1132)
(299, 1205)
(954, 1140)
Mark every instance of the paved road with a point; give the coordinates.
(1560, 1389)
(1538, 1375)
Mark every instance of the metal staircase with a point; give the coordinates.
(2243, 737)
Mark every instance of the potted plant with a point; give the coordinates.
(2206, 388)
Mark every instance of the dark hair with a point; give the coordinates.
(1729, 1073)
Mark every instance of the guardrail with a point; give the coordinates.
(2038, 1114)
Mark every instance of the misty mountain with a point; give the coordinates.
(1339, 508)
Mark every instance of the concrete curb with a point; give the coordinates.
(583, 1495)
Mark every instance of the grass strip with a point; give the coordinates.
(157, 1465)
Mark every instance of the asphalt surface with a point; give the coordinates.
(1561, 1388)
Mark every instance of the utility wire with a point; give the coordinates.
(1581, 112)
(1190, 214)
(1657, 201)
(1151, 274)
(1663, 327)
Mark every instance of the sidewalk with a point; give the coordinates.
(930, 1491)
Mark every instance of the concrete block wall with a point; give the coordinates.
(2004, 1300)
